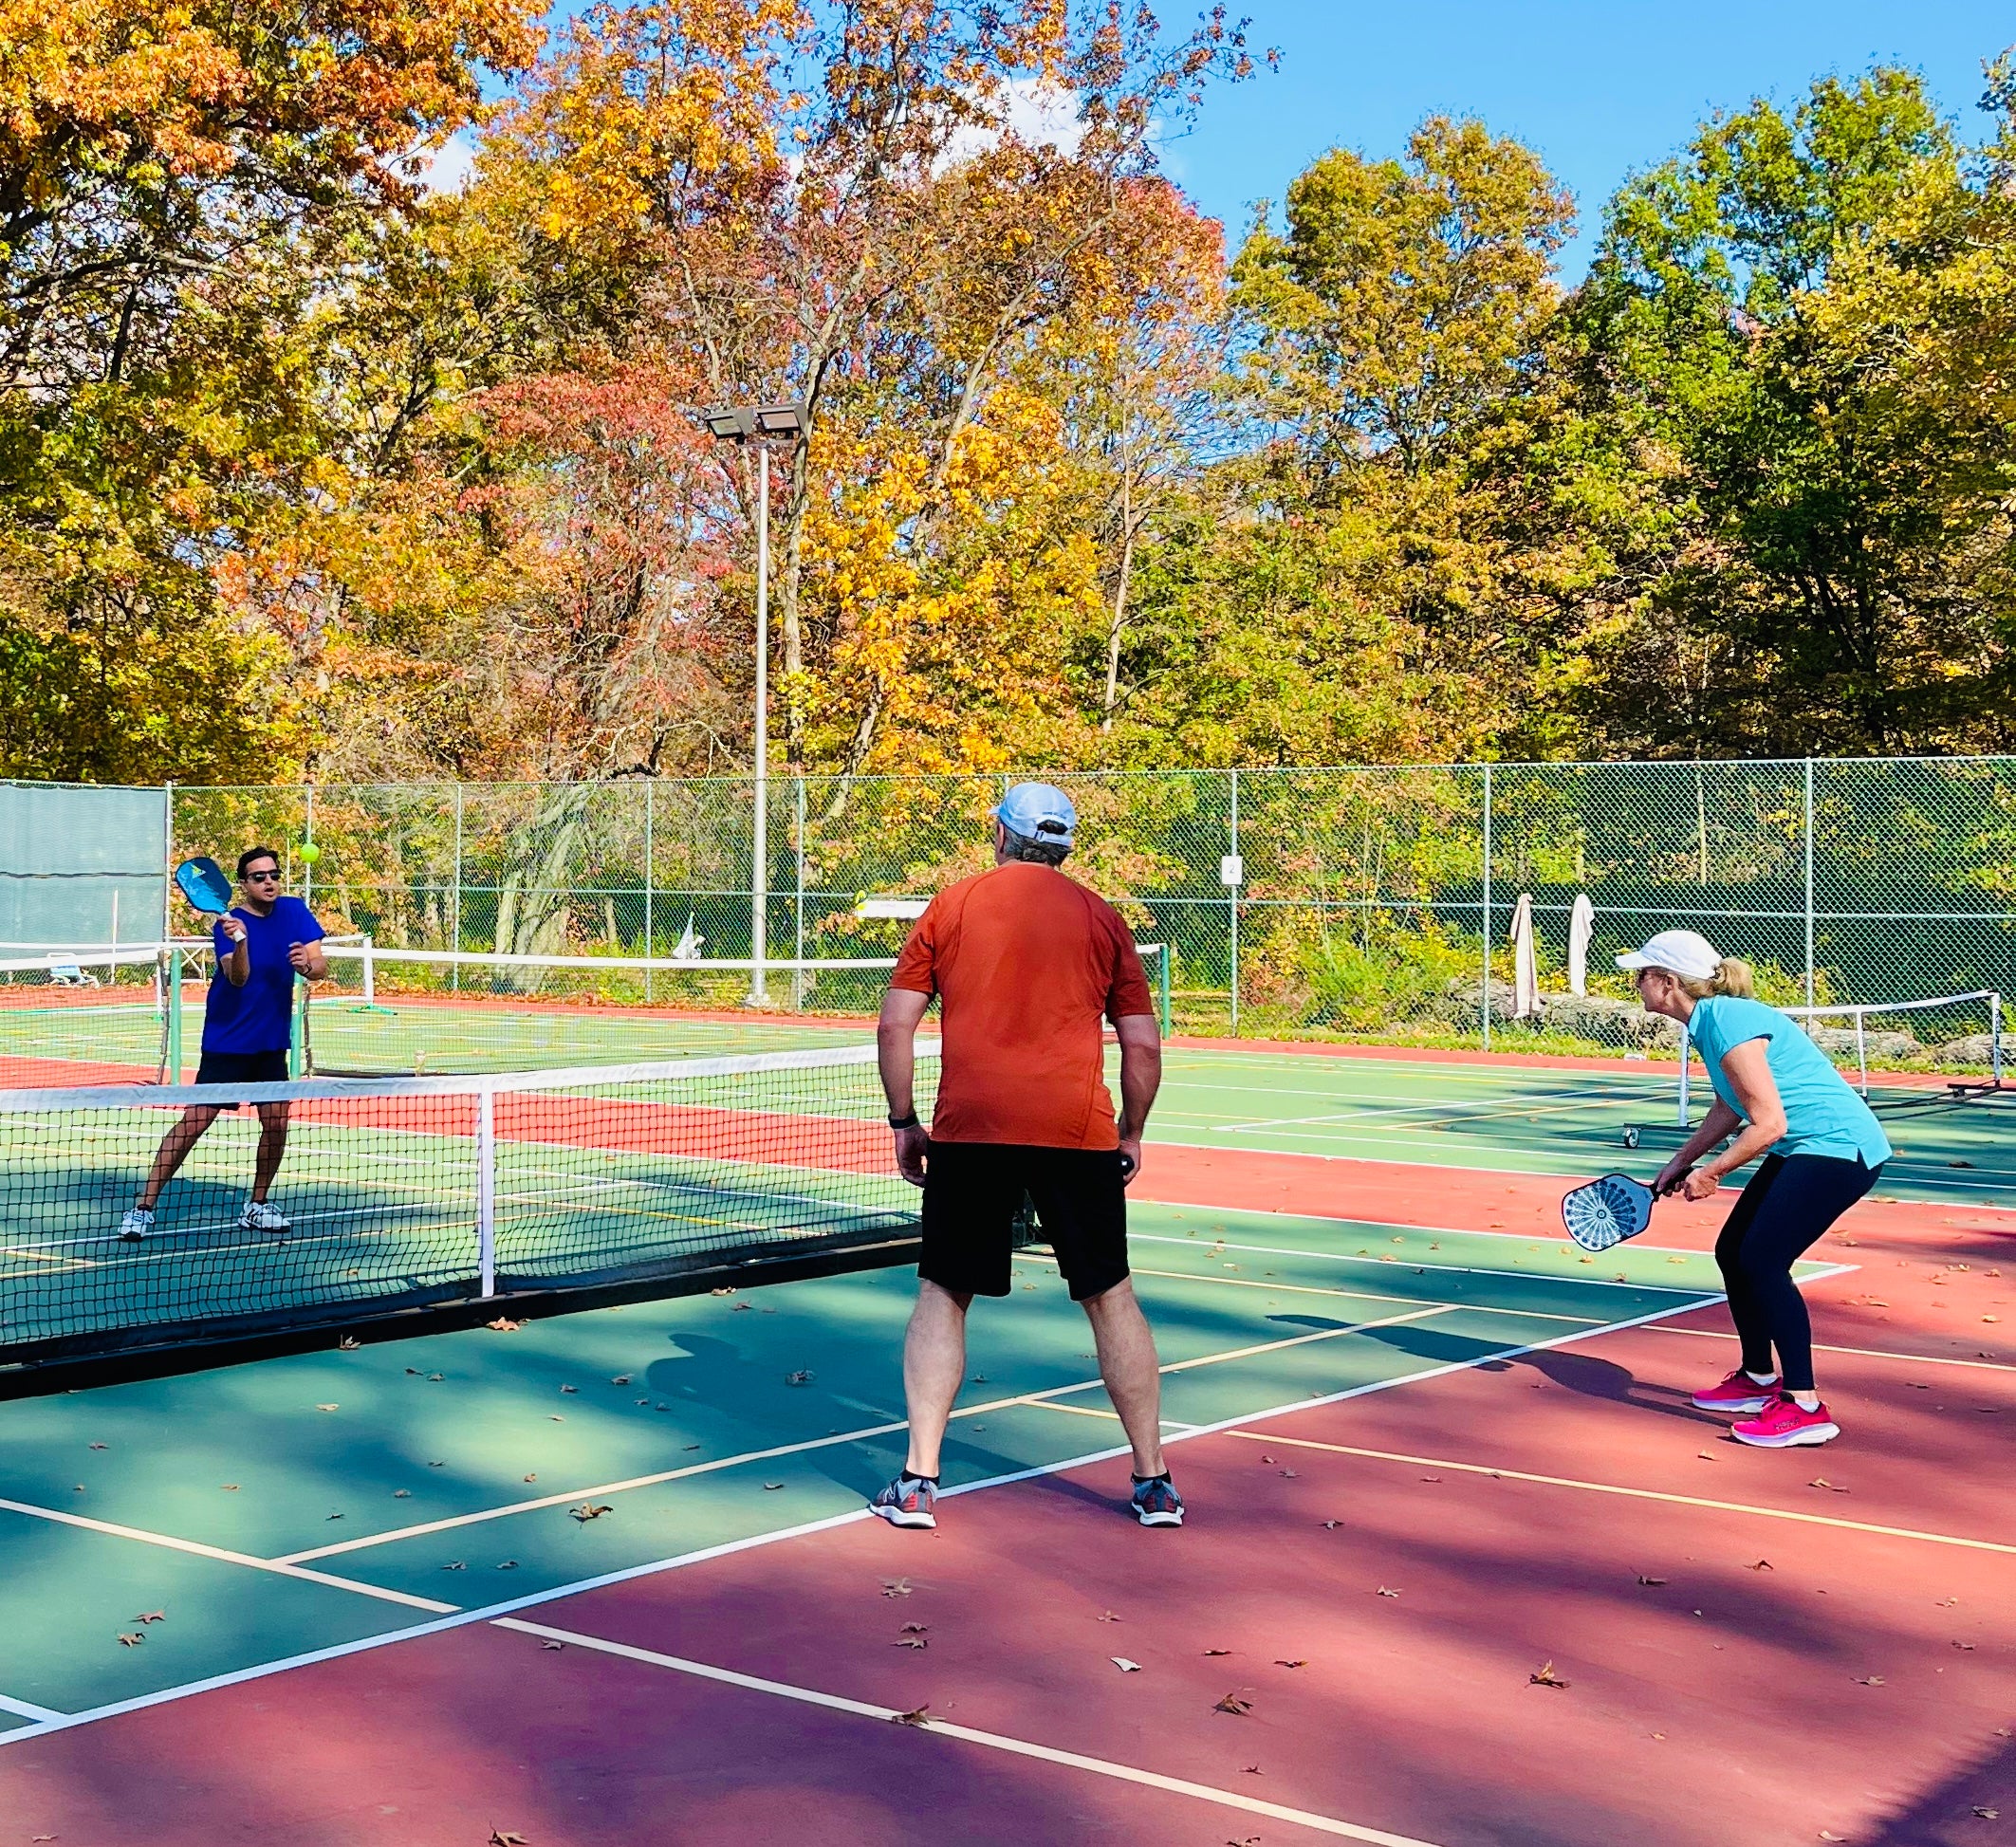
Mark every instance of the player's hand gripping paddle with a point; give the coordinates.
(203, 883)
(1607, 1211)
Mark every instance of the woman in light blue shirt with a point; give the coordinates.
(1779, 1096)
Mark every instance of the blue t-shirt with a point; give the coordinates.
(1824, 1116)
(258, 1017)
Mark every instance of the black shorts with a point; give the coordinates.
(242, 1068)
(972, 1190)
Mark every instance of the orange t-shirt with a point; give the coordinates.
(1026, 962)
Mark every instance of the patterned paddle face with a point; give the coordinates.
(1606, 1211)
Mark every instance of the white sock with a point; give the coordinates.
(1806, 1400)
(1763, 1378)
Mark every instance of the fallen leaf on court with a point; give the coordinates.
(437, 1464)
(769, 1487)
(1289, 1664)
(434, 1378)
(1947, 1602)
(1231, 1702)
(1288, 1474)
(1125, 1665)
(131, 1641)
(329, 1407)
(798, 1379)
(915, 1627)
(348, 1344)
(403, 1494)
(97, 1446)
(1431, 1478)
(454, 1564)
(532, 1477)
(1968, 1646)
(912, 1641)
(556, 1647)
(78, 1488)
(720, 1292)
(1217, 1651)
(643, 1402)
(1981, 1811)
(1107, 1616)
(570, 1388)
(1869, 1680)
(1825, 1836)
(1704, 1455)
(684, 1446)
(502, 1326)
(1762, 1564)
(1821, 1481)
(622, 1378)
(590, 1510)
(1384, 1592)
(335, 1516)
(499, 1839)
(229, 1488)
(1331, 1525)
(896, 1587)
(152, 1616)
(1266, 1458)
(1253, 1770)
(554, 1417)
(1658, 1734)
(1545, 1676)
(507, 1564)
(1643, 1579)
(917, 1715)
(740, 1308)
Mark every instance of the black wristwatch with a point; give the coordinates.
(909, 1121)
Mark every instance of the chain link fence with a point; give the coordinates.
(1363, 903)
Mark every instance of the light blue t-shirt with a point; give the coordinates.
(1824, 1116)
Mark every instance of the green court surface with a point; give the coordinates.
(1530, 1120)
(277, 1508)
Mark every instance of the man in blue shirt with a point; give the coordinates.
(261, 946)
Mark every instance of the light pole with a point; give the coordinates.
(746, 424)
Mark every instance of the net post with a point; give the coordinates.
(486, 1189)
(1995, 1013)
(1162, 985)
(371, 971)
(1686, 1068)
(1862, 1048)
(298, 1040)
(171, 1000)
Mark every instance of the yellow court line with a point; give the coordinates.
(279, 1567)
(1093, 1411)
(1860, 1352)
(1632, 1493)
(971, 1735)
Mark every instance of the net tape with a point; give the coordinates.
(410, 1191)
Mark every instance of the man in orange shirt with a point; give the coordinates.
(1025, 964)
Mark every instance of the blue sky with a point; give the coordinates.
(1601, 90)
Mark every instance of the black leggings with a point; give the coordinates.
(1789, 1203)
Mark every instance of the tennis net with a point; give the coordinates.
(76, 1016)
(421, 1191)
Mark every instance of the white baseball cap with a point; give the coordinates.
(1038, 812)
(1684, 952)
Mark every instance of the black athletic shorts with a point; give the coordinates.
(972, 1190)
(242, 1068)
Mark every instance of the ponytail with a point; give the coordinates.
(1732, 977)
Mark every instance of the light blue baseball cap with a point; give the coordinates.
(1039, 813)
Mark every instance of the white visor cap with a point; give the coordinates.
(1683, 952)
(1039, 813)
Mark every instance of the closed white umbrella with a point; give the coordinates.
(1581, 926)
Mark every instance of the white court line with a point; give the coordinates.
(681, 1560)
(1629, 1493)
(281, 1568)
(967, 1734)
(1860, 1352)
(839, 1438)
(22, 1709)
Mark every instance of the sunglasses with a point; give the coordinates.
(253, 877)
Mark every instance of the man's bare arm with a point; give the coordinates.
(896, 1055)
(1140, 1038)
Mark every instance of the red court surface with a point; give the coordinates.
(1539, 1599)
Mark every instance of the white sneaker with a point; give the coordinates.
(259, 1216)
(138, 1223)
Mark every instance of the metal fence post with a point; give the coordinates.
(454, 977)
(1233, 899)
(798, 905)
(167, 862)
(1486, 907)
(651, 936)
(1810, 1000)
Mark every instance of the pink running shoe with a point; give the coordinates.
(1738, 1392)
(1784, 1425)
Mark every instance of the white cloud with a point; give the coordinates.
(1032, 108)
(446, 167)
